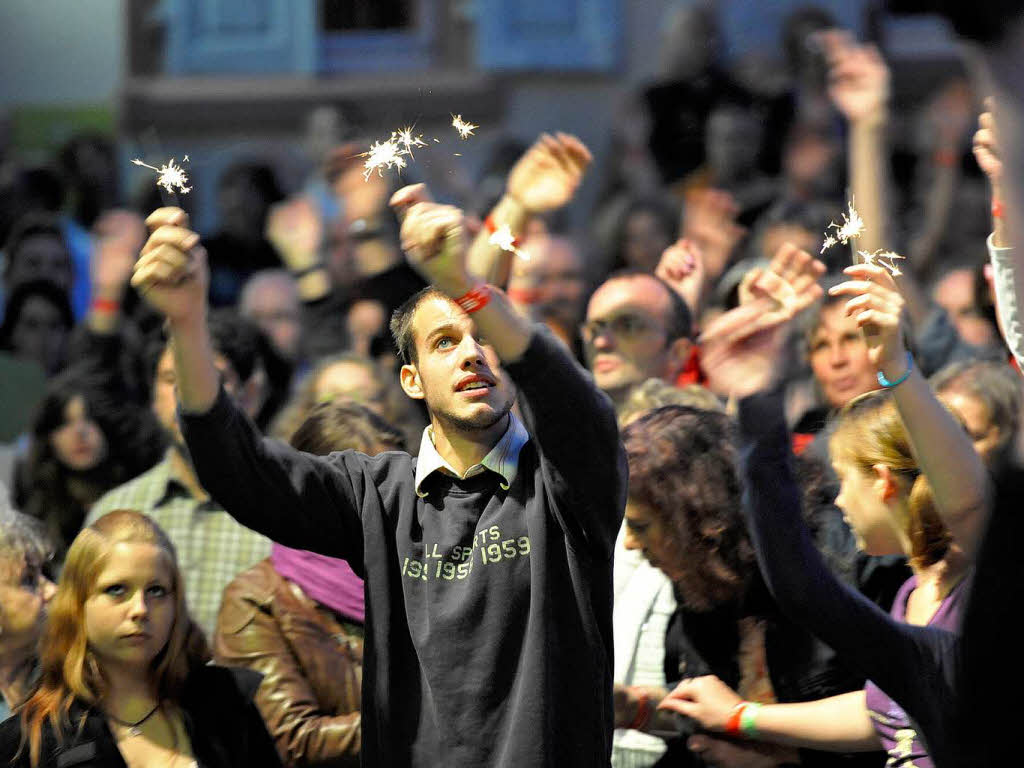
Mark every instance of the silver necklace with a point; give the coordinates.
(134, 729)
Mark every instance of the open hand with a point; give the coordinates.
(858, 77)
(547, 176)
(709, 221)
(740, 349)
(171, 273)
(706, 700)
(295, 230)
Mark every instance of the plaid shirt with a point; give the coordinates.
(212, 548)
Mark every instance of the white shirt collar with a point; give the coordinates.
(503, 458)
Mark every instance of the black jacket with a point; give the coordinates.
(222, 721)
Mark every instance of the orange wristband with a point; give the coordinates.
(475, 299)
(491, 228)
(643, 713)
(997, 209)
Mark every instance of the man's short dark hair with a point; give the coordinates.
(401, 323)
(679, 323)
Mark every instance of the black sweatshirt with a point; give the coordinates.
(918, 667)
(488, 612)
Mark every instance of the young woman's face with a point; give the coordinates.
(130, 609)
(24, 594)
(870, 519)
(78, 442)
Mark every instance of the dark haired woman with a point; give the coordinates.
(683, 512)
(85, 441)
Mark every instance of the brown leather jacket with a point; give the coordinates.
(312, 666)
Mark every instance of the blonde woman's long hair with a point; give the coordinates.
(69, 670)
(870, 432)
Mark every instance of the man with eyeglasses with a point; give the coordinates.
(637, 328)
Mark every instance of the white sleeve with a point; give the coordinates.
(1009, 287)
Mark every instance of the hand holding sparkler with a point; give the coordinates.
(740, 349)
(547, 176)
(858, 78)
(433, 240)
(877, 302)
(171, 273)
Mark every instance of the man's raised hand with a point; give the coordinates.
(547, 176)
(433, 239)
(171, 273)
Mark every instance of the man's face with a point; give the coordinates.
(273, 304)
(955, 294)
(549, 285)
(839, 357)
(625, 337)
(41, 257)
(456, 372)
(165, 384)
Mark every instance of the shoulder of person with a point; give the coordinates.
(214, 686)
(10, 738)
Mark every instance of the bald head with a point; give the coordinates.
(271, 300)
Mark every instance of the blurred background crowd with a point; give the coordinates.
(720, 130)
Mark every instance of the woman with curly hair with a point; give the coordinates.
(123, 673)
(85, 441)
(684, 513)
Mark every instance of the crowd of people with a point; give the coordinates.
(347, 480)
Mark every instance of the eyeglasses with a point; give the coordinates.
(621, 326)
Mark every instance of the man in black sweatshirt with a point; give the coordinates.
(487, 560)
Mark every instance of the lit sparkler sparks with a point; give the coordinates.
(407, 140)
(504, 239)
(883, 258)
(170, 176)
(384, 154)
(827, 243)
(852, 226)
(464, 128)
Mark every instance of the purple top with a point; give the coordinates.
(897, 735)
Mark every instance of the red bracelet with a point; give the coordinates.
(475, 299)
(643, 713)
(997, 209)
(110, 306)
(491, 228)
(735, 719)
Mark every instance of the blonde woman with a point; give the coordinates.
(123, 675)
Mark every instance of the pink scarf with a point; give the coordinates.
(328, 580)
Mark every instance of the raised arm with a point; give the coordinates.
(544, 179)
(941, 445)
(296, 499)
(571, 421)
(741, 350)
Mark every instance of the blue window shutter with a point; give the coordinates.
(549, 35)
(241, 36)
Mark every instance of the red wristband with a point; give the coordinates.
(106, 305)
(491, 228)
(735, 719)
(475, 299)
(643, 713)
(997, 209)
(945, 157)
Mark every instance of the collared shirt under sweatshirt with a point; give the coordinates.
(488, 611)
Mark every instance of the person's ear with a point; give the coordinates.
(885, 483)
(410, 380)
(679, 352)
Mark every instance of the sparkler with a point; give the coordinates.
(883, 258)
(852, 226)
(407, 140)
(504, 239)
(384, 154)
(170, 176)
(464, 128)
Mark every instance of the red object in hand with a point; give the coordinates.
(475, 299)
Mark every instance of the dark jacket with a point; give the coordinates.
(223, 725)
(312, 666)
